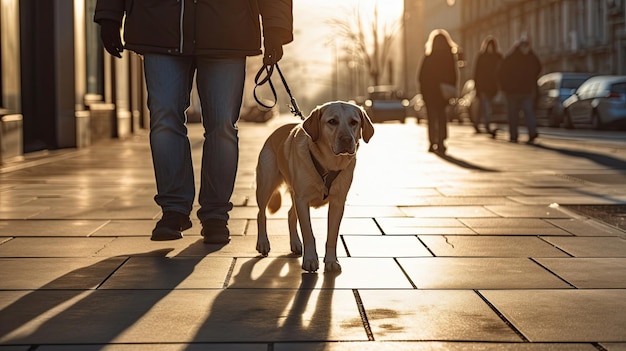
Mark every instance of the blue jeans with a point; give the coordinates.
(220, 84)
(525, 103)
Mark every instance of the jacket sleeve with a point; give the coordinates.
(277, 17)
(109, 10)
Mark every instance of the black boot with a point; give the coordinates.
(171, 226)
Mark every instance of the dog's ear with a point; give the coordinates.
(311, 124)
(367, 128)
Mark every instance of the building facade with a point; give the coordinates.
(59, 89)
(567, 35)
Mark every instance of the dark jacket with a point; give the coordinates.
(486, 73)
(226, 28)
(436, 68)
(519, 72)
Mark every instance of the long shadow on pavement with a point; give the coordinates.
(464, 164)
(261, 306)
(600, 159)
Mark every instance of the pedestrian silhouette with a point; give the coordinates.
(436, 76)
(518, 79)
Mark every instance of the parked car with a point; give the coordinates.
(599, 102)
(552, 89)
(468, 105)
(385, 104)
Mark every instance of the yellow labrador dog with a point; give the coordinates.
(316, 160)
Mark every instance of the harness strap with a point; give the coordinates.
(327, 176)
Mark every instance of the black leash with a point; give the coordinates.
(269, 70)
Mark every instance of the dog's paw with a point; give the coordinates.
(263, 247)
(310, 265)
(332, 266)
(296, 248)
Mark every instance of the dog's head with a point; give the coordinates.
(340, 125)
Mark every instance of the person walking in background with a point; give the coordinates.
(486, 80)
(438, 68)
(518, 80)
(178, 39)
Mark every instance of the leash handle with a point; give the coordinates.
(266, 79)
(259, 80)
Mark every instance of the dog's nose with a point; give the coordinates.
(346, 144)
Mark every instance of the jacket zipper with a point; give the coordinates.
(182, 13)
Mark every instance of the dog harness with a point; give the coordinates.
(327, 176)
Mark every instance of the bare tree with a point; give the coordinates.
(369, 40)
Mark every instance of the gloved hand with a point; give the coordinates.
(111, 38)
(273, 48)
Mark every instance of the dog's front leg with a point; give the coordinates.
(335, 214)
(294, 239)
(310, 261)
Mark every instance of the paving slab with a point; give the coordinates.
(488, 190)
(441, 315)
(538, 211)
(86, 212)
(589, 273)
(21, 211)
(479, 273)
(385, 246)
(357, 226)
(423, 226)
(50, 227)
(56, 273)
(157, 347)
(448, 211)
(590, 246)
(53, 247)
(165, 316)
(586, 227)
(512, 226)
(563, 315)
(490, 246)
(170, 273)
(287, 273)
(431, 346)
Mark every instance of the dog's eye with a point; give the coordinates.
(333, 122)
(354, 123)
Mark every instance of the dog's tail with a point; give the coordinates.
(275, 201)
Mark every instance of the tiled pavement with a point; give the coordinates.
(474, 250)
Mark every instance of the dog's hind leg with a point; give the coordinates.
(268, 179)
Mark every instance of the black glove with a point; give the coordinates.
(273, 46)
(111, 39)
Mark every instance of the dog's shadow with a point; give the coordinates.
(268, 300)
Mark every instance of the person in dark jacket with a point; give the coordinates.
(210, 39)
(438, 67)
(486, 80)
(518, 80)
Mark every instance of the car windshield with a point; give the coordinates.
(572, 83)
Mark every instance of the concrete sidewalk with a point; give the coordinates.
(474, 250)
